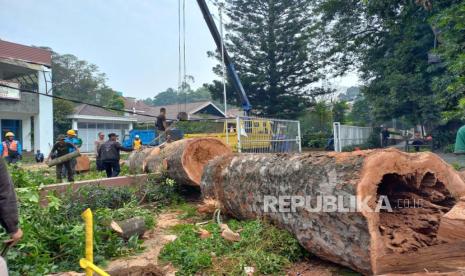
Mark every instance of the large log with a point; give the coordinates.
(136, 160)
(185, 159)
(63, 158)
(402, 241)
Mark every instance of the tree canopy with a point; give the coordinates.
(270, 42)
(78, 80)
(171, 96)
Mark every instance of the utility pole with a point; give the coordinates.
(223, 66)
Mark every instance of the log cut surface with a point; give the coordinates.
(421, 188)
(185, 159)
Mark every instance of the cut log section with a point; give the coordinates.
(314, 197)
(452, 226)
(136, 160)
(185, 159)
(82, 164)
(130, 227)
(63, 158)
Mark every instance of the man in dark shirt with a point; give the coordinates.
(161, 125)
(109, 154)
(59, 149)
(385, 137)
(8, 211)
(39, 157)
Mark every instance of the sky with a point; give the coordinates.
(135, 43)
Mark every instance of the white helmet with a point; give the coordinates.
(137, 136)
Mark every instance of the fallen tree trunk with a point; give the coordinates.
(63, 158)
(136, 160)
(314, 197)
(185, 159)
(130, 227)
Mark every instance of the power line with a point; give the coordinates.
(91, 104)
(75, 101)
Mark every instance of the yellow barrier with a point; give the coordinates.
(88, 262)
(88, 265)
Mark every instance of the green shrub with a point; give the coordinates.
(262, 246)
(160, 191)
(450, 148)
(317, 140)
(54, 235)
(28, 178)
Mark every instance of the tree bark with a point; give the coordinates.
(185, 159)
(136, 160)
(63, 158)
(402, 241)
(130, 227)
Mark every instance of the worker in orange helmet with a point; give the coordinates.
(10, 148)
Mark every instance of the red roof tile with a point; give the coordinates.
(10, 50)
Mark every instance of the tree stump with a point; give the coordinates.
(402, 241)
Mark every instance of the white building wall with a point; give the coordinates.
(27, 133)
(43, 122)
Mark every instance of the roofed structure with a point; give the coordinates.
(197, 110)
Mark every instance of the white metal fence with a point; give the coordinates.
(345, 135)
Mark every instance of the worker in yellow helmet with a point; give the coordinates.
(72, 138)
(137, 144)
(10, 148)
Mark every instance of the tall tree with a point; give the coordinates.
(269, 41)
(172, 96)
(339, 111)
(389, 42)
(61, 109)
(78, 80)
(449, 27)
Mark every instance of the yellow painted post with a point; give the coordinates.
(88, 265)
(89, 251)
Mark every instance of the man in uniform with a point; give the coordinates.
(61, 148)
(11, 149)
(72, 139)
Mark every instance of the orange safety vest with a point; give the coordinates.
(13, 147)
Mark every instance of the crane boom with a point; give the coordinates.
(246, 106)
